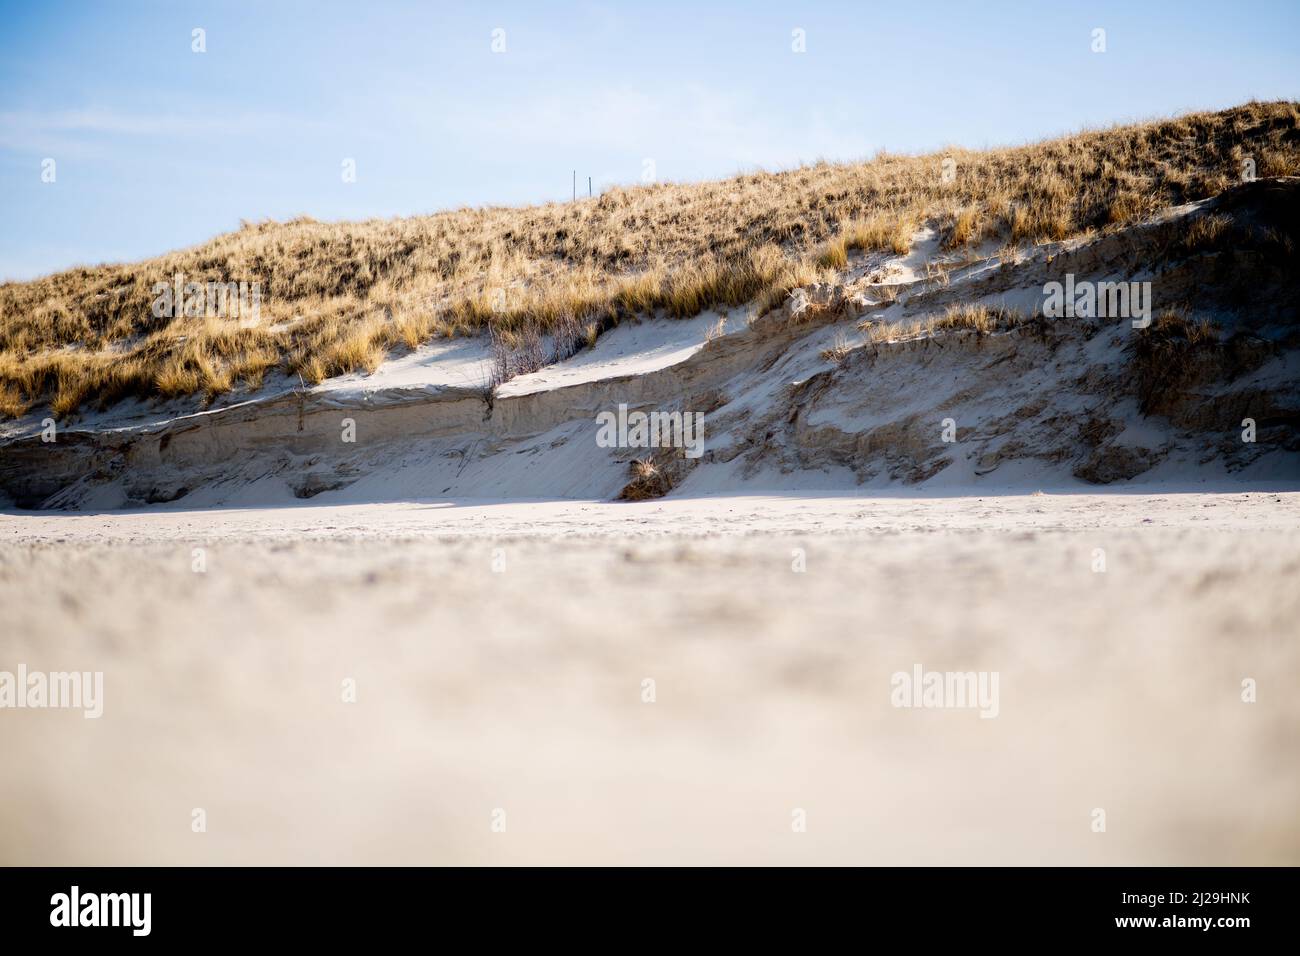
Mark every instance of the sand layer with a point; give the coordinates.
(500, 653)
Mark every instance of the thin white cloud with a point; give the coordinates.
(77, 128)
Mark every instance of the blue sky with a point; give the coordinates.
(158, 147)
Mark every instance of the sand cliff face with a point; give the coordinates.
(843, 386)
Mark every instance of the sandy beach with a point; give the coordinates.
(699, 680)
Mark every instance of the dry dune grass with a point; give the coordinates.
(966, 317)
(337, 297)
(1177, 349)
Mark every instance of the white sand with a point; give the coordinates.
(521, 690)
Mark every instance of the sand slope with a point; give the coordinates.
(809, 396)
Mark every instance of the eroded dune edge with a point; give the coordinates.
(930, 370)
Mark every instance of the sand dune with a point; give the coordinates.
(869, 383)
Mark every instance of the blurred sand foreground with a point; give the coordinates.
(500, 652)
